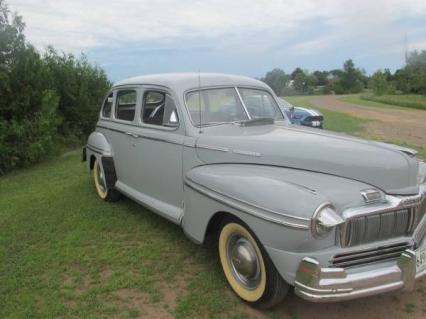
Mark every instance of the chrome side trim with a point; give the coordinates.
(160, 139)
(246, 207)
(134, 135)
(95, 149)
(212, 148)
(247, 153)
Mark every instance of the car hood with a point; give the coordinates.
(390, 168)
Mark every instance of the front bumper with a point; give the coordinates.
(318, 284)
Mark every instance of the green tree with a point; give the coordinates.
(351, 80)
(380, 83)
(303, 81)
(277, 79)
(412, 78)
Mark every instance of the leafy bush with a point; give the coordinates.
(43, 98)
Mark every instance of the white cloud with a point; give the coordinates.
(86, 24)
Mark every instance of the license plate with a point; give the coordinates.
(315, 123)
(421, 259)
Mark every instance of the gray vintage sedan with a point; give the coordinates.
(334, 216)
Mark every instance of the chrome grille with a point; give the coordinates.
(381, 226)
(362, 257)
(420, 231)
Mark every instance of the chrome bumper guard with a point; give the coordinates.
(318, 284)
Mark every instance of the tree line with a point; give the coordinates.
(46, 99)
(410, 79)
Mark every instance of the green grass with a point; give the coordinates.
(404, 100)
(388, 101)
(65, 253)
(356, 99)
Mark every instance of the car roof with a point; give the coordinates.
(186, 81)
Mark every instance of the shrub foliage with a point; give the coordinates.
(44, 98)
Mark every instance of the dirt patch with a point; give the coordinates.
(406, 125)
(140, 303)
(397, 305)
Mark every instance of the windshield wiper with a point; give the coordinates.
(215, 123)
(258, 121)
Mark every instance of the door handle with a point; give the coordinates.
(132, 135)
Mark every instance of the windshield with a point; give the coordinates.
(260, 104)
(216, 105)
(223, 105)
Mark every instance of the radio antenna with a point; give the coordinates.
(199, 97)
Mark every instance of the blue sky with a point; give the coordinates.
(133, 37)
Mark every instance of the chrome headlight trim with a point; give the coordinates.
(324, 220)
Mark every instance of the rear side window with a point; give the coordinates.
(159, 109)
(106, 108)
(126, 105)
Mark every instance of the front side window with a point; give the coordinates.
(106, 108)
(159, 109)
(126, 105)
(260, 104)
(215, 106)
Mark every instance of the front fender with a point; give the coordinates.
(275, 195)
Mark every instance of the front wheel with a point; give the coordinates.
(248, 269)
(107, 194)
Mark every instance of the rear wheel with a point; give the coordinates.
(107, 194)
(247, 267)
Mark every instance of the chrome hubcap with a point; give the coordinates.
(244, 261)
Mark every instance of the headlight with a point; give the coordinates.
(324, 220)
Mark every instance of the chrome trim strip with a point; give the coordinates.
(205, 190)
(247, 153)
(159, 139)
(192, 145)
(245, 210)
(212, 148)
(95, 149)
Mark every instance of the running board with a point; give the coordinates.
(170, 212)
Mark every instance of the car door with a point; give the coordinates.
(118, 130)
(156, 160)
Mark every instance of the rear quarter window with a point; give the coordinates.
(107, 107)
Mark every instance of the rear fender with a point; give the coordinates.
(99, 148)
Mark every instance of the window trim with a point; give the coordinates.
(116, 104)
